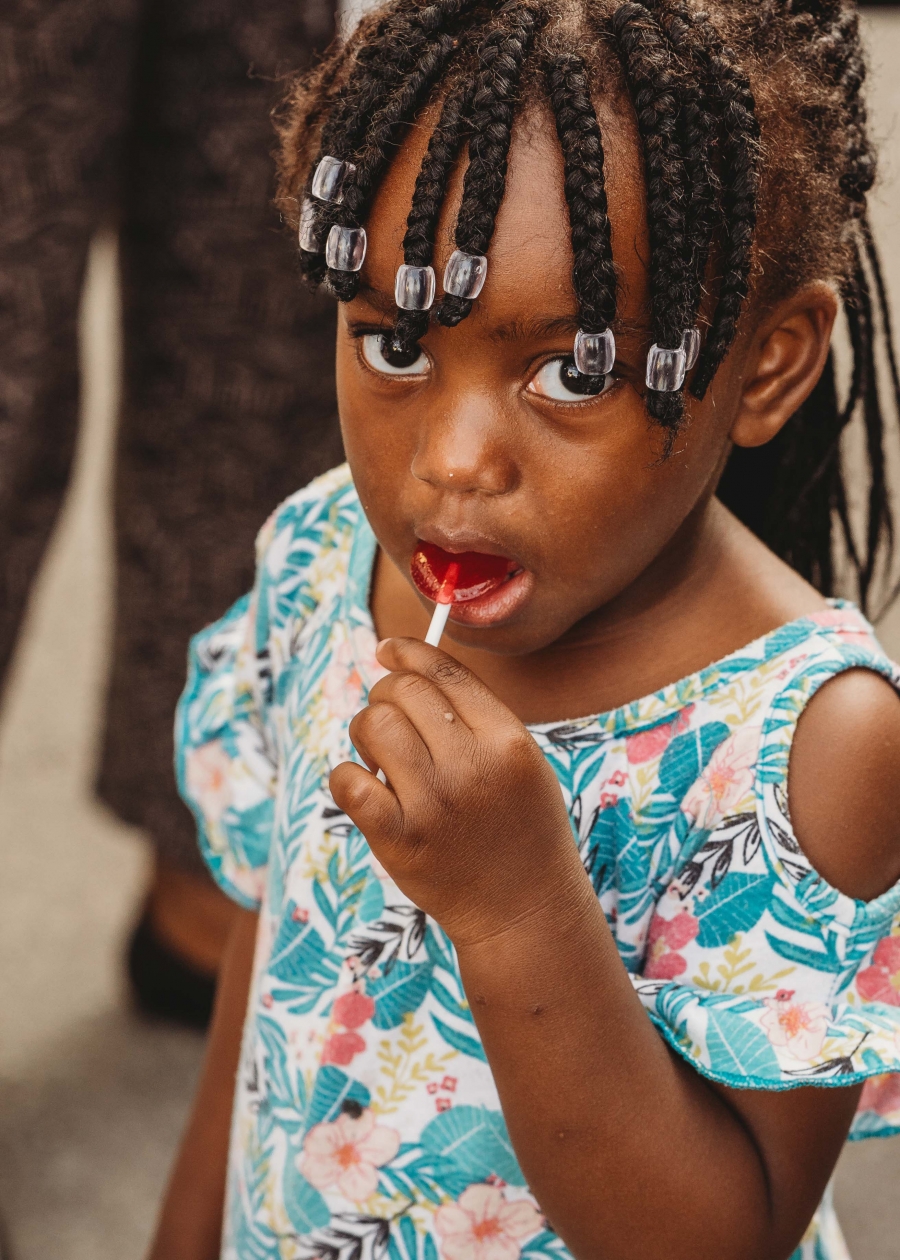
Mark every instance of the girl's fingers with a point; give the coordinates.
(470, 699)
(366, 801)
(384, 737)
(427, 708)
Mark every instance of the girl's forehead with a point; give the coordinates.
(530, 258)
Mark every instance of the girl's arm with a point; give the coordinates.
(630, 1152)
(190, 1223)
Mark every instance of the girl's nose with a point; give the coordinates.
(465, 452)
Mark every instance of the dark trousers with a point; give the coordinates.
(154, 114)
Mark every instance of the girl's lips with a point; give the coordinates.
(488, 588)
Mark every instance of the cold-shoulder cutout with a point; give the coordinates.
(844, 783)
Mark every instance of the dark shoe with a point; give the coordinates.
(164, 984)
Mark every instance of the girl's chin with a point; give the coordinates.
(497, 606)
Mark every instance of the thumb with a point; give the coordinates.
(366, 801)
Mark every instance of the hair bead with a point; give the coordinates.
(690, 344)
(330, 176)
(345, 249)
(595, 353)
(465, 274)
(414, 288)
(311, 234)
(666, 369)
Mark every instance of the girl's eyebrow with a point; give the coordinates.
(539, 328)
(532, 328)
(382, 302)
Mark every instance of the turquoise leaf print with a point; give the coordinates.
(332, 1089)
(738, 1048)
(303, 1203)
(398, 992)
(819, 959)
(474, 1142)
(735, 905)
(686, 757)
(371, 903)
(249, 831)
(459, 1041)
(405, 1243)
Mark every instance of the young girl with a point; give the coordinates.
(581, 937)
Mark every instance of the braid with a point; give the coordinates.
(374, 158)
(648, 72)
(427, 199)
(594, 275)
(500, 57)
(696, 130)
(389, 62)
(372, 73)
(740, 180)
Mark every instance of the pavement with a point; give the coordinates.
(92, 1097)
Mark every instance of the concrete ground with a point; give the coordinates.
(91, 1097)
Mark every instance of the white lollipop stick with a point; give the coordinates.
(442, 606)
(438, 622)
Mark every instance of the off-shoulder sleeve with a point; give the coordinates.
(757, 971)
(225, 768)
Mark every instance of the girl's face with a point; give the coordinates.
(481, 445)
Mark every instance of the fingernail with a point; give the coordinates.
(381, 643)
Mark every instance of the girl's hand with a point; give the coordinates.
(472, 825)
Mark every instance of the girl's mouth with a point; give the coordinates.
(488, 588)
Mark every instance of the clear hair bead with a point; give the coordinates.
(345, 249)
(666, 369)
(330, 176)
(595, 353)
(311, 235)
(414, 288)
(465, 274)
(690, 344)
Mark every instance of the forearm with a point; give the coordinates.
(190, 1223)
(605, 1120)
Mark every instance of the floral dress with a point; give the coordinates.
(366, 1123)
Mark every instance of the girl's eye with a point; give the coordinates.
(382, 357)
(560, 380)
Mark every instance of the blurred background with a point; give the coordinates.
(93, 1095)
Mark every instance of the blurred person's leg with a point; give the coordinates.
(228, 406)
(64, 67)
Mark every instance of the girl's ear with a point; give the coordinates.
(789, 351)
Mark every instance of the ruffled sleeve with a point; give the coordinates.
(224, 760)
(756, 970)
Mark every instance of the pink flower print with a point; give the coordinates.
(347, 1154)
(880, 982)
(608, 800)
(208, 774)
(341, 684)
(619, 779)
(845, 622)
(727, 782)
(341, 1047)
(481, 1225)
(664, 938)
(653, 743)
(443, 1104)
(353, 1009)
(799, 1027)
(881, 1094)
(449, 1083)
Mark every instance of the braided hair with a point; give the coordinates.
(711, 90)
